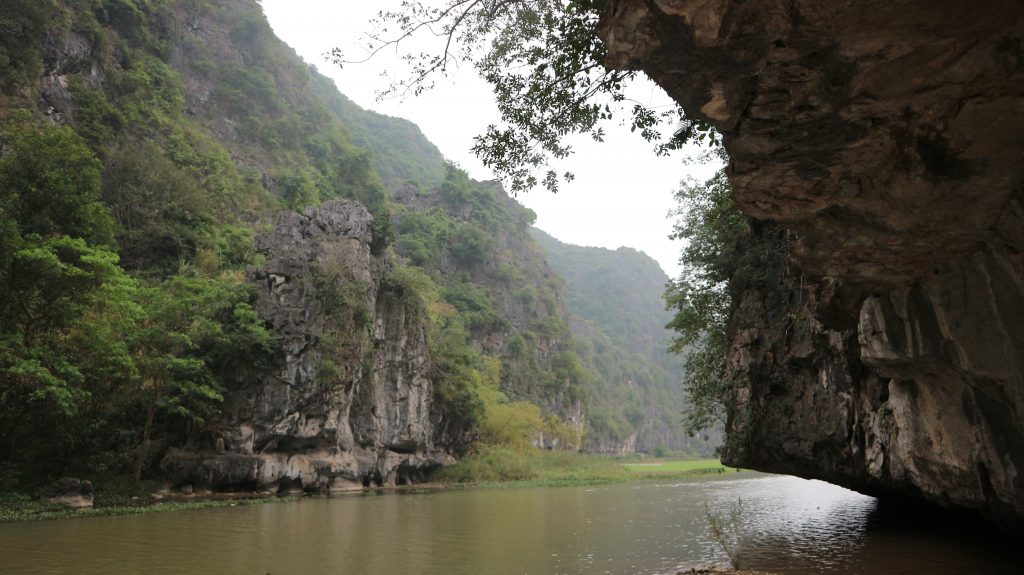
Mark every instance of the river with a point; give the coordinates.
(791, 525)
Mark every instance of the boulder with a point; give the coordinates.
(69, 492)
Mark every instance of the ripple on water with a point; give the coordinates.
(792, 525)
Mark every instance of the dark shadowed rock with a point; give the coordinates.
(888, 140)
(69, 492)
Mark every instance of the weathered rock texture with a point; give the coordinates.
(69, 492)
(887, 138)
(353, 403)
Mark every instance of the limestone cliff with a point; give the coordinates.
(353, 402)
(886, 138)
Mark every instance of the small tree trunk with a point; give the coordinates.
(143, 453)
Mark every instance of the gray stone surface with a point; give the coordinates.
(352, 402)
(69, 492)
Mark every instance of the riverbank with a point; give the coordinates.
(504, 467)
(489, 468)
(17, 507)
(117, 495)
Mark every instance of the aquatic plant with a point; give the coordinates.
(726, 529)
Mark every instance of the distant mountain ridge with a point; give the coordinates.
(618, 321)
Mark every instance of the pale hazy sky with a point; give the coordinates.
(622, 192)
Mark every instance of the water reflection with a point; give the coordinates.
(810, 527)
(794, 526)
(796, 522)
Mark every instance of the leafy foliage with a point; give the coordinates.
(723, 254)
(545, 62)
(124, 236)
(159, 208)
(401, 152)
(66, 304)
(22, 26)
(86, 349)
(498, 333)
(51, 184)
(712, 226)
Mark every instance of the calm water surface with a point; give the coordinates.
(795, 526)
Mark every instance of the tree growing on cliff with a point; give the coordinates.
(545, 62)
(711, 225)
(725, 252)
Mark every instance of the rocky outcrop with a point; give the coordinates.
(886, 139)
(353, 402)
(70, 492)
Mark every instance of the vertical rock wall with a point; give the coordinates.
(352, 403)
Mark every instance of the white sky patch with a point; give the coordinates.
(622, 193)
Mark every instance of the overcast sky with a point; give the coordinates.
(622, 193)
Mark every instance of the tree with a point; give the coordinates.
(65, 298)
(545, 62)
(711, 225)
(725, 252)
(472, 245)
(50, 184)
(157, 206)
(65, 305)
(199, 336)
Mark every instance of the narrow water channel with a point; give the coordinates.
(792, 526)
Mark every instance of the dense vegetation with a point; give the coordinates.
(93, 359)
(548, 69)
(499, 331)
(127, 225)
(143, 147)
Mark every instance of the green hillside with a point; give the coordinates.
(618, 322)
(144, 144)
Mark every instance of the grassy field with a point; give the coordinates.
(660, 468)
(493, 466)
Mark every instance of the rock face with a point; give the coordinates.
(69, 492)
(888, 140)
(353, 404)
